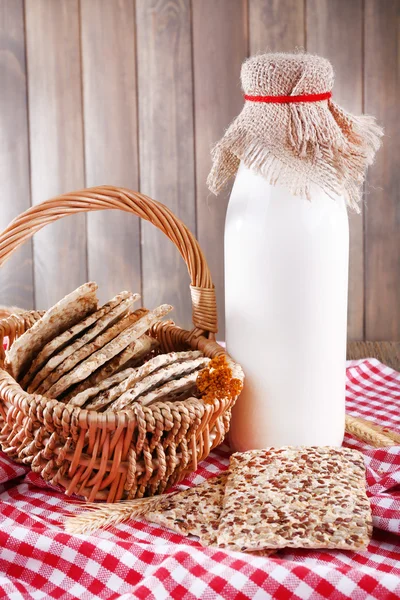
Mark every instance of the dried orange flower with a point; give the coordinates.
(216, 381)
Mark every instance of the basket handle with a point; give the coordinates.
(204, 308)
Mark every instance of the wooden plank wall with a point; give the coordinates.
(56, 141)
(134, 93)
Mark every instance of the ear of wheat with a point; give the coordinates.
(102, 516)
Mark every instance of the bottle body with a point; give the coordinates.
(286, 286)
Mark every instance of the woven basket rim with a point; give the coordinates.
(110, 419)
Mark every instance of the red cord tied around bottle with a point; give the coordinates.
(289, 99)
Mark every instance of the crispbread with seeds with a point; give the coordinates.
(102, 332)
(194, 511)
(84, 352)
(137, 384)
(304, 497)
(128, 358)
(66, 313)
(120, 385)
(36, 374)
(170, 391)
(106, 352)
(144, 345)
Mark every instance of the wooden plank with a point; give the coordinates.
(219, 48)
(166, 143)
(334, 30)
(111, 145)
(387, 352)
(16, 277)
(382, 90)
(56, 141)
(276, 25)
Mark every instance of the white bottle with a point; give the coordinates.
(286, 281)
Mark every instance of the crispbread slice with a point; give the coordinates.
(65, 314)
(143, 346)
(304, 497)
(103, 331)
(130, 357)
(169, 392)
(108, 351)
(84, 352)
(75, 360)
(195, 511)
(144, 379)
(86, 396)
(32, 378)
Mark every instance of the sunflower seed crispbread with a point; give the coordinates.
(304, 497)
(162, 360)
(103, 331)
(107, 351)
(80, 356)
(194, 511)
(138, 373)
(66, 313)
(134, 353)
(187, 391)
(144, 345)
(171, 391)
(136, 388)
(36, 374)
(84, 352)
(93, 392)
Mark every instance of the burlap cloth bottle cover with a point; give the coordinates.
(293, 133)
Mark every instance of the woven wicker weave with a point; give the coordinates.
(130, 453)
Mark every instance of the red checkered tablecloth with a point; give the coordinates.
(138, 560)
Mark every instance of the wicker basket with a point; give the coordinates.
(130, 453)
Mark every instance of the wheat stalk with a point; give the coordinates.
(375, 435)
(102, 516)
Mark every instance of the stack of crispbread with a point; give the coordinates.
(304, 497)
(101, 358)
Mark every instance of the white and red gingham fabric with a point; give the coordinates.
(138, 560)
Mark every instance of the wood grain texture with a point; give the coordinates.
(16, 277)
(276, 25)
(111, 148)
(166, 143)
(140, 90)
(382, 90)
(387, 353)
(219, 48)
(56, 141)
(334, 30)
